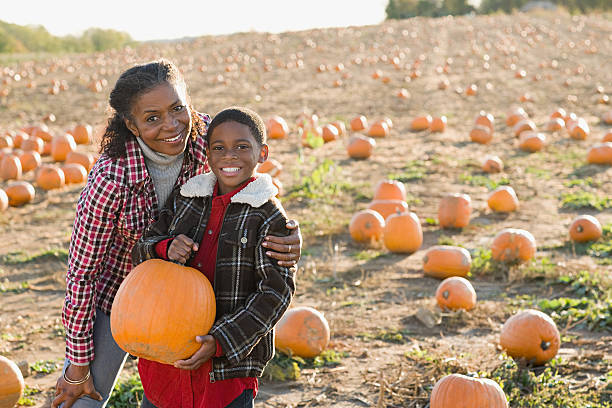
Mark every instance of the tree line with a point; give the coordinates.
(15, 38)
(398, 9)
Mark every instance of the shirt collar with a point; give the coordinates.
(226, 198)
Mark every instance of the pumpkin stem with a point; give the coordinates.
(445, 294)
(545, 345)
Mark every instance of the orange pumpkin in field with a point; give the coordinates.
(516, 115)
(379, 129)
(30, 159)
(503, 199)
(555, 125)
(33, 143)
(10, 167)
(360, 146)
(367, 226)
(184, 304)
(481, 134)
(302, 331)
(277, 128)
(50, 177)
(61, 145)
(271, 166)
(4, 200)
(74, 173)
(388, 207)
(579, 129)
(438, 124)
(454, 210)
(492, 164)
(513, 245)
(19, 193)
(421, 123)
(522, 126)
(607, 137)
(585, 228)
(82, 134)
(456, 293)
(459, 391)
(531, 142)
(600, 153)
(83, 158)
(338, 124)
(358, 123)
(11, 383)
(559, 113)
(390, 190)
(329, 133)
(530, 335)
(443, 261)
(485, 119)
(6, 141)
(403, 233)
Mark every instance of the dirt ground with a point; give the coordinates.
(362, 291)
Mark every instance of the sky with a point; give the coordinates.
(157, 20)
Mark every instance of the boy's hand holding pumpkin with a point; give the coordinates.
(204, 353)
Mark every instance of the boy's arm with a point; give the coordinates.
(155, 240)
(240, 331)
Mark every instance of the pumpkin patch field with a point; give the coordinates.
(475, 149)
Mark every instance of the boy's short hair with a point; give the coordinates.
(241, 115)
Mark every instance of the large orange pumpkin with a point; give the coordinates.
(503, 199)
(11, 383)
(454, 210)
(61, 145)
(367, 226)
(50, 177)
(19, 193)
(443, 261)
(532, 335)
(184, 307)
(388, 207)
(513, 245)
(456, 293)
(277, 127)
(461, 391)
(390, 190)
(600, 153)
(360, 146)
(403, 233)
(302, 331)
(585, 228)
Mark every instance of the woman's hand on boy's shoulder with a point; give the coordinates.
(286, 250)
(206, 351)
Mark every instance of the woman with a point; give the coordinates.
(153, 143)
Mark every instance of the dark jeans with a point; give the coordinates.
(244, 400)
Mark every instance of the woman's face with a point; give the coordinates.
(162, 119)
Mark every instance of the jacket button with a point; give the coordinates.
(199, 265)
(243, 240)
(209, 232)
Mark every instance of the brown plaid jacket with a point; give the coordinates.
(252, 291)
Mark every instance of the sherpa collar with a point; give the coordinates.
(255, 194)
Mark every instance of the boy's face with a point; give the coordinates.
(233, 154)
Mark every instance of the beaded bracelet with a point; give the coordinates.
(81, 381)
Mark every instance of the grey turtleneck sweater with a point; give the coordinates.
(164, 169)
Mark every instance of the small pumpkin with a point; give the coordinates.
(585, 228)
(277, 127)
(82, 133)
(4, 200)
(421, 123)
(460, 391)
(360, 146)
(530, 335)
(302, 331)
(515, 115)
(83, 158)
(503, 199)
(10, 167)
(390, 190)
(19, 138)
(388, 207)
(50, 177)
(481, 134)
(559, 113)
(329, 133)
(600, 153)
(485, 119)
(358, 123)
(184, 304)
(30, 160)
(555, 125)
(403, 233)
(367, 226)
(379, 129)
(530, 141)
(443, 261)
(513, 245)
(19, 193)
(33, 143)
(454, 210)
(338, 124)
(607, 137)
(61, 145)
(522, 126)
(579, 129)
(438, 124)
(11, 383)
(492, 164)
(6, 141)
(271, 166)
(455, 293)
(74, 173)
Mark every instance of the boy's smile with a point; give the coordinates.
(233, 154)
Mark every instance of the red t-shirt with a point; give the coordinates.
(167, 386)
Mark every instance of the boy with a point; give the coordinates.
(216, 223)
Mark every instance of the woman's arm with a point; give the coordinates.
(285, 249)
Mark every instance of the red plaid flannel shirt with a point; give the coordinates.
(116, 205)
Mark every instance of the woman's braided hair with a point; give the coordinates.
(131, 84)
